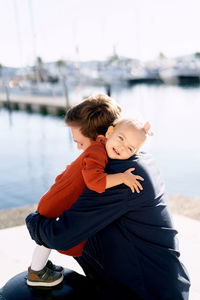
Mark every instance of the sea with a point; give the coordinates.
(35, 148)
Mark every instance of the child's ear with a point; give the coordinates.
(109, 131)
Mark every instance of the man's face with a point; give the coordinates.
(82, 141)
(121, 142)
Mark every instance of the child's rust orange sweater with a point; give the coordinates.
(86, 171)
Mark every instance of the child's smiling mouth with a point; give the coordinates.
(115, 151)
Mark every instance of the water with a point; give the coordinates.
(34, 149)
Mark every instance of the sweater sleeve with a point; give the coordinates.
(93, 168)
(91, 213)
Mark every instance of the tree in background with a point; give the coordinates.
(197, 55)
(62, 66)
(162, 55)
(41, 75)
(1, 68)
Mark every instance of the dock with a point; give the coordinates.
(33, 103)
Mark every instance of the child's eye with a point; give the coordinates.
(121, 138)
(130, 149)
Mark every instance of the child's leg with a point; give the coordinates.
(42, 272)
(40, 257)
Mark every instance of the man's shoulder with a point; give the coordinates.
(143, 155)
(142, 159)
(146, 163)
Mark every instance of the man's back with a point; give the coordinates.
(139, 249)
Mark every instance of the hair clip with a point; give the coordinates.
(147, 128)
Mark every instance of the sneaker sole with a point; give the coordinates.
(47, 284)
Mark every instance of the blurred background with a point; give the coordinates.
(144, 54)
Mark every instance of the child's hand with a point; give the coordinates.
(132, 180)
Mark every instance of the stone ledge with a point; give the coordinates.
(185, 206)
(15, 216)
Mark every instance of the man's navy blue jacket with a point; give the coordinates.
(131, 241)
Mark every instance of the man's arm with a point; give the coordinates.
(91, 213)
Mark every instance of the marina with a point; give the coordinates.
(36, 147)
(45, 88)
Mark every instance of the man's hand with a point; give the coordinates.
(31, 222)
(131, 180)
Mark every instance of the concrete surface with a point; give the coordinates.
(16, 249)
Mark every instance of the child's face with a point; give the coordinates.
(82, 141)
(122, 141)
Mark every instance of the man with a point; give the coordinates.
(131, 250)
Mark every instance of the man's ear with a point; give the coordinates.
(109, 131)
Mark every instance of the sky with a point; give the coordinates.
(95, 29)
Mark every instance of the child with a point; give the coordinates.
(87, 120)
(125, 138)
